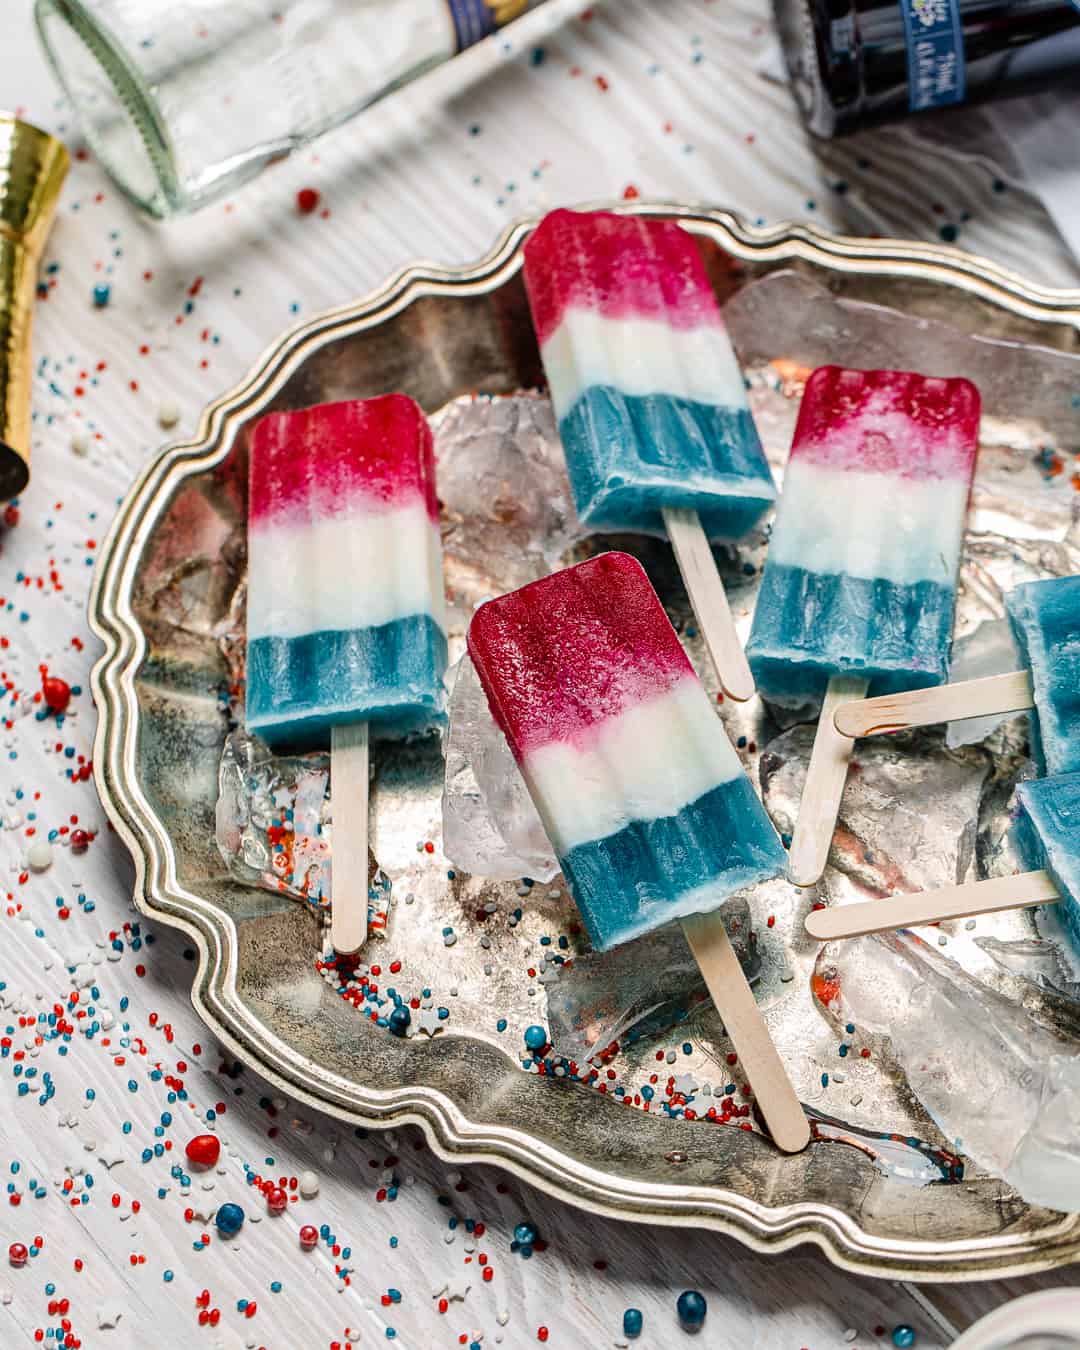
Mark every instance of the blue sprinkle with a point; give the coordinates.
(167, 1276)
(101, 295)
(229, 1219)
(691, 1308)
(903, 1337)
(275, 1286)
(535, 1038)
(632, 1322)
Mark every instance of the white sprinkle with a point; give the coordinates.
(80, 443)
(309, 1185)
(850, 1334)
(39, 855)
(168, 416)
(969, 925)
(109, 1316)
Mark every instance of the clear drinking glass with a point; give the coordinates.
(184, 100)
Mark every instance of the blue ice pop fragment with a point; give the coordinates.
(1045, 619)
(1048, 836)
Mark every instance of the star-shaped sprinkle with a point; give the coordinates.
(453, 1290)
(109, 1315)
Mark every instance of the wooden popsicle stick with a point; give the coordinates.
(349, 860)
(951, 902)
(945, 703)
(825, 779)
(744, 1023)
(709, 601)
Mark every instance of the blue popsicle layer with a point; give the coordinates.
(630, 456)
(1045, 619)
(807, 626)
(1048, 836)
(299, 687)
(652, 872)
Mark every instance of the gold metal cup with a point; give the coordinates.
(33, 166)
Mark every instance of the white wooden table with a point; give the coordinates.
(660, 99)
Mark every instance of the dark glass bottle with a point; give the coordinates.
(854, 63)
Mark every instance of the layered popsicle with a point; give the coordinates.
(346, 611)
(645, 802)
(862, 568)
(1045, 620)
(345, 614)
(650, 400)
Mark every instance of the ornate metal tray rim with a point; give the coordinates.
(159, 895)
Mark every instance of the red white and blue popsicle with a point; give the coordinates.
(651, 403)
(860, 583)
(645, 803)
(346, 611)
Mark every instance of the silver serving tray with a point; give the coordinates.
(167, 602)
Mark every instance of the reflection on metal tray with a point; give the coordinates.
(168, 603)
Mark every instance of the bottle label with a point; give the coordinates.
(475, 20)
(935, 51)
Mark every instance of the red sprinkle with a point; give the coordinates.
(204, 1150)
(307, 199)
(57, 693)
(17, 1254)
(309, 1237)
(277, 1200)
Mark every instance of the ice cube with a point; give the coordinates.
(509, 516)
(989, 650)
(788, 313)
(1002, 1088)
(908, 816)
(490, 825)
(642, 988)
